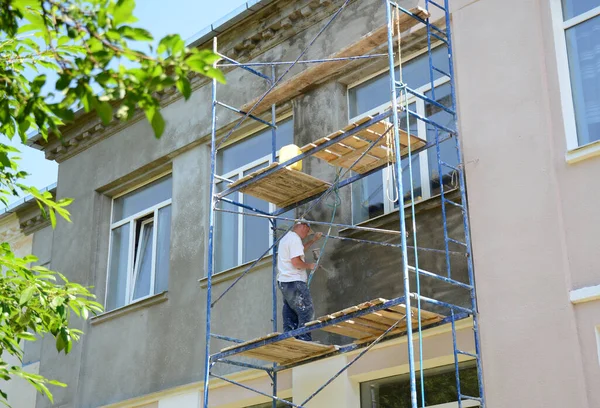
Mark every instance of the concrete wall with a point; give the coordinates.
(534, 219)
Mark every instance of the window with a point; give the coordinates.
(140, 234)
(581, 25)
(375, 194)
(440, 389)
(239, 238)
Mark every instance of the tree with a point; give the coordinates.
(93, 59)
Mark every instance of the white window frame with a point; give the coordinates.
(239, 173)
(131, 220)
(388, 183)
(560, 27)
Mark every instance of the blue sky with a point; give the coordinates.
(160, 17)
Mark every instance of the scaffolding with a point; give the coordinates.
(360, 149)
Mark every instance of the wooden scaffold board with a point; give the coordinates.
(372, 325)
(302, 81)
(283, 187)
(285, 351)
(349, 149)
(363, 329)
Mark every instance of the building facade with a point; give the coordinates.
(528, 96)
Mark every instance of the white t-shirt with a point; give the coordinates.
(290, 247)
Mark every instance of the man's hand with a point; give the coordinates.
(312, 266)
(318, 236)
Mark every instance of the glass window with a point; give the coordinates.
(573, 8)
(140, 239)
(239, 238)
(376, 194)
(448, 153)
(376, 91)
(439, 384)
(583, 51)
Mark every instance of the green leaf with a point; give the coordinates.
(62, 40)
(26, 295)
(183, 84)
(57, 301)
(136, 34)
(105, 111)
(171, 43)
(63, 82)
(123, 12)
(158, 124)
(27, 336)
(216, 74)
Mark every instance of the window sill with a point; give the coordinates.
(130, 308)
(584, 152)
(233, 273)
(586, 294)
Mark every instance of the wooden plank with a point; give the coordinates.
(253, 174)
(365, 321)
(268, 336)
(351, 324)
(425, 315)
(346, 331)
(300, 82)
(284, 187)
(391, 315)
(376, 317)
(289, 350)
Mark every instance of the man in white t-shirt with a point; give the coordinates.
(297, 303)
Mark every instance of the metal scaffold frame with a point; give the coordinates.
(410, 299)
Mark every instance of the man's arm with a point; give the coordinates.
(308, 244)
(300, 264)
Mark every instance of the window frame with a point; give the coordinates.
(387, 179)
(130, 282)
(560, 27)
(239, 173)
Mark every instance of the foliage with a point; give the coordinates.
(56, 57)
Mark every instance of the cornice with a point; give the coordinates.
(243, 42)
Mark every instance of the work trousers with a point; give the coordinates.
(297, 306)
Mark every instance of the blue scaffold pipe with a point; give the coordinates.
(362, 353)
(242, 205)
(291, 404)
(243, 113)
(311, 61)
(274, 224)
(244, 365)
(226, 338)
(400, 187)
(211, 225)
(244, 66)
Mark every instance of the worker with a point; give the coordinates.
(292, 277)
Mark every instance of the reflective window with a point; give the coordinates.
(439, 384)
(377, 193)
(240, 239)
(140, 240)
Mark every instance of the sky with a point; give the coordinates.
(160, 17)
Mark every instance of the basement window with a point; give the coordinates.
(440, 389)
(138, 265)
